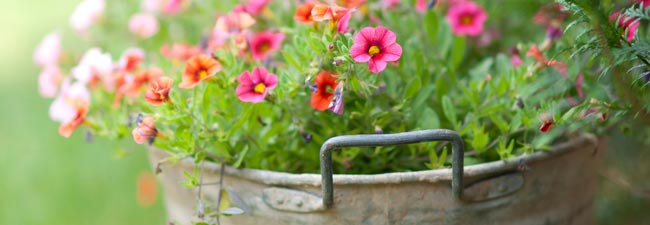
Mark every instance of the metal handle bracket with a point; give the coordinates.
(368, 140)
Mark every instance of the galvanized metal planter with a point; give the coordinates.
(558, 188)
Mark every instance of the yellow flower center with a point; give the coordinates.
(265, 47)
(374, 50)
(203, 74)
(466, 20)
(259, 88)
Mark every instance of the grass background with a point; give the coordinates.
(47, 179)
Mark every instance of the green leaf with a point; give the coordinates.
(457, 50)
(449, 110)
(443, 157)
(501, 124)
(225, 201)
(479, 139)
(429, 119)
(240, 157)
(431, 25)
(413, 87)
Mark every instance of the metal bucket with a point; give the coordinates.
(557, 188)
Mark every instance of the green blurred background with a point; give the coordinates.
(44, 178)
(47, 179)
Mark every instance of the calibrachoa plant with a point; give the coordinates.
(263, 83)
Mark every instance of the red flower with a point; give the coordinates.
(322, 97)
(158, 91)
(199, 68)
(547, 122)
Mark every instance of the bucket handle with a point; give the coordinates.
(368, 140)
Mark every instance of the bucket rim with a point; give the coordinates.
(269, 177)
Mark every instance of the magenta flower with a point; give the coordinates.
(376, 46)
(421, 6)
(342, 25)
(466, 18)
(628, 24)
(254, 86)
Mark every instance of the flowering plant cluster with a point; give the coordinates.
(262, 83)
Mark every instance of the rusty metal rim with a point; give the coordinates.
(428, 176)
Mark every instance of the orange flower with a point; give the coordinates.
(67, 128)
(145, 132)
(303, 13)
(146, 189)
(158, 91)
(133, 87)
(351, 3)
(321, 98)
(199, 68)
(321, 12)
(181, 52)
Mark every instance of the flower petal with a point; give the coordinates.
(390, 53)
(376, 66)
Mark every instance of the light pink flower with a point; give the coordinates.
(376, 46)
(226, 26)
(86, 14)
(49, 81)
(130, 59)
(387, 4)
(264, 43)
(151, 6)
(144, 25)
(48, 51)
(93, 66)
(466, 18)
(70, 107)
(254, 86)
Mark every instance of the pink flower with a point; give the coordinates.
(93, 66)
(421, 5)
(130, 59)
(646, 3)
(86, 14)
(49, 81)
(48, 51)
(628, 24)
(376, 46)
(264, 43)
(144, 25)
(70, 107)
(342, 25)
(173, 6)
(253, 6)
(466, 18)
(254, 86)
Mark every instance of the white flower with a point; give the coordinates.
(86, 14)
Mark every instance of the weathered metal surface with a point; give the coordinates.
(292, 200)
(495, 187)
(559, 188)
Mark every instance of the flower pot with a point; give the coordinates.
(557, 188)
